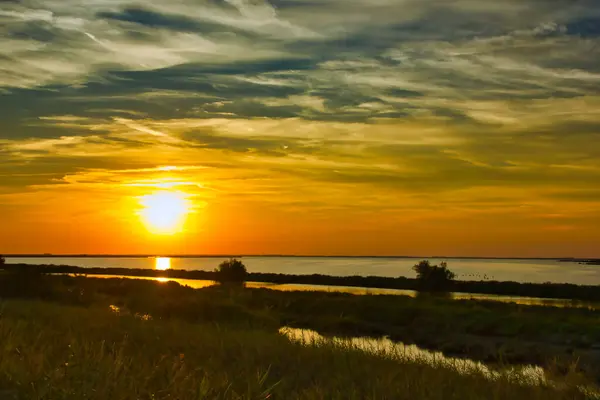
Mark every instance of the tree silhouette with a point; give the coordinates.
(231, 272)
(433, 278)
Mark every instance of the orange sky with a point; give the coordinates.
(387, 128)
(251, 209)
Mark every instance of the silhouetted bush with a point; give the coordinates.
(2, 261)
(26, 281)
(231, 272)
(433, 278)
(542, 290)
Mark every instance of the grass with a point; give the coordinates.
(488, 331)
(54, 351)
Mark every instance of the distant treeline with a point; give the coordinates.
(590, 262)
(542, 290)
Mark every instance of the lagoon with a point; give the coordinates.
(468, 269)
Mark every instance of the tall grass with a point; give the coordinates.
(50, 351)
(486, 331)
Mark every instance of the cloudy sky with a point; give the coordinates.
(415, 127)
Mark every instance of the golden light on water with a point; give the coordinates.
(162, 263)
(164, 212)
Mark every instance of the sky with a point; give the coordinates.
(355, 127)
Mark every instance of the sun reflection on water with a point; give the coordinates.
(162, 263)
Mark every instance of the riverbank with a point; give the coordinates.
(565, 291)
(481, 330)
(46, 355)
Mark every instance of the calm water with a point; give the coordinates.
(537, 271)
(384, 347)
(526, 375)
(529, 301)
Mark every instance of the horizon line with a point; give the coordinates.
(85, 255)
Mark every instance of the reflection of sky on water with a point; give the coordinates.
(384, 347)
(466, 269)
(531, 301)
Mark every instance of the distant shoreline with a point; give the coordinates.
(589, 261)
(539, 290)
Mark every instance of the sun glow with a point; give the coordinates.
(162, 263)
(165, 212)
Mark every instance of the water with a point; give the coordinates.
(536, 271)
(384, 347)
(530, 301)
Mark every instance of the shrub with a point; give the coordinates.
(433, 278)
(231, 272)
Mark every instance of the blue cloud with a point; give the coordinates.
(40, 32)
(586, 27)
(423, 61)
(152, 19)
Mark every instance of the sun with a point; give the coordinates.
(164, 212)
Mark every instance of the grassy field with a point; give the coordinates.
(488, 331)
(57, 351)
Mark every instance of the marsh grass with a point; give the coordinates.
(486, 331)
(50, 351)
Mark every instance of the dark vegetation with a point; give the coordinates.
(542, 290)
(433, 278)
(51, 352)
(231, 272)
(488, 331)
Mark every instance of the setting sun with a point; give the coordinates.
(164, 212)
